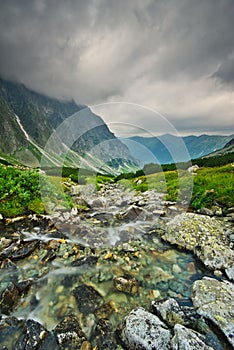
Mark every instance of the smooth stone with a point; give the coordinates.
(105, 310)
(176, 268)
(85, 345)
(161, 276)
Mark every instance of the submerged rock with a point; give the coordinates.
(215, 301)
(87, 299)
(89, 260)
(144, 331)
(9, 299)
(105, 310)
(204, 236)
(104, 335)
(69, 333)
(33, 337)
(28, 335)
(126, 284)
(10, 330)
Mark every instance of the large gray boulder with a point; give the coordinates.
(204, 236)
(215, 301)
(144, 331)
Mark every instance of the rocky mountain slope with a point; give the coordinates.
(228, 148)
(35, 126)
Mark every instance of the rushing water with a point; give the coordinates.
(78, 257)
(161, 272)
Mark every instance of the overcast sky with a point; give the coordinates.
(172, 56)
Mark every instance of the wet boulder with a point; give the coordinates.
(181, 313)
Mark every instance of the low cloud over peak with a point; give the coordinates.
(174, 56)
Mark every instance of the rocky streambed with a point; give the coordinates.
(124, 270)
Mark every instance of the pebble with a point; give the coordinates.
(176, 268)
(59, 289)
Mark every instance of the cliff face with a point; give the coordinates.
(11, 136)
(28, 119)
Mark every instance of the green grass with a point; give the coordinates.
(210, 185)
(214, 186)
(20, 191)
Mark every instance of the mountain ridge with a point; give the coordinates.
(30, 120)
(158, 149)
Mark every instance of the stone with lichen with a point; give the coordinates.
(215, 301)
(202, 235)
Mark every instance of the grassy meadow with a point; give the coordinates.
(20, 189)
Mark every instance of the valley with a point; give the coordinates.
(98, 252)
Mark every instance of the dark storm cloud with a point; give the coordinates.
(225, 72)
(160, 53)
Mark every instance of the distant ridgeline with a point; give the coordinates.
(29, 120)
(215, 159)
(157, 149)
